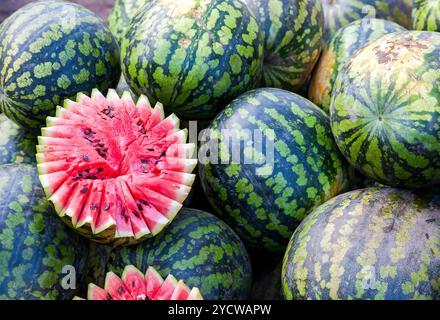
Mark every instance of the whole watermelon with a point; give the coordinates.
(377, 243)
(386, 107)
(51, 50)
(266, 161)
(339, 13)
(426, 15)
(35, 245)
(293, 40)
(16, 144)
(399, 11)
(193, 56)
(341, 48)
(197, 247)
(122, 13)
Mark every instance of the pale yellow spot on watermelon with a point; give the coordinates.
(320, 85)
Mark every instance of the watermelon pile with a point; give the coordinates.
(220, 150)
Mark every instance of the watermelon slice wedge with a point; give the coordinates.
(134, 285)
(117, 172)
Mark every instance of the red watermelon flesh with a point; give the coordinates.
(181, 292)
(116, 171)
(133, 285)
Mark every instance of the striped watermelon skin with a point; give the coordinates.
(385, 109)
(121, 15)
(16, 144)
(341, 48)
(34, 244)
(199, 248)
(46, 57)
(339, 13)
(201, 54)
(293, 40)
(426, 15)
(376, 243)
(399, 11)
(265, 198)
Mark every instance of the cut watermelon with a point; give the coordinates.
(135, 286)
(115, 171)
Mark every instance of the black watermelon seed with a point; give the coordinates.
(85, 157)
(139, 206)
(136, 214)
(94, 206)
(144, 161)
(84, 190)
(143, 202)
(143, 131)
(150, 149)
(106, 208)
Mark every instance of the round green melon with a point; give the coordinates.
(293, 40)
(339, 13)
(376, 243)
(51, 50)
(193, 56)
(197, 247)
(341, 48)
(385, 109)
(280, 163)
(426, 15)
(37, 251)
(122, 13)
(399, 11)
(16, 144)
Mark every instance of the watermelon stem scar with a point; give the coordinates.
(115, 171)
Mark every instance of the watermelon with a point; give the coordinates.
(339, 13)
(134, 285)
(49, 51)
(122, 13)
(375, 243)
(116, 189)
(344, 44)
(399, 11)
(16, 144)
(385, 109)
(197, 247)
(35, 246)
(281, 163)
(193, 56)
(426, 15)
(293, 40)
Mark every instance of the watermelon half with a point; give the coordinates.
(134, 285)
(115, 171)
